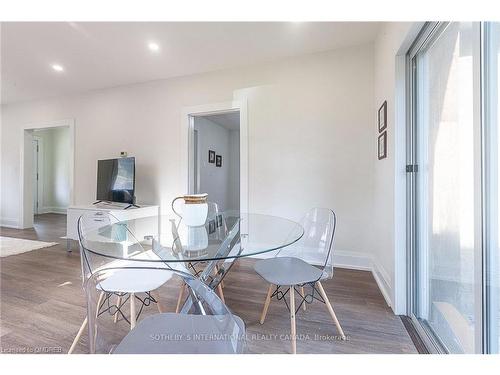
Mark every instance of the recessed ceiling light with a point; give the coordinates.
(154, 47)
(57, 67)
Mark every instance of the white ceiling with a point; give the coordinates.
(107, 54)
(228, 120)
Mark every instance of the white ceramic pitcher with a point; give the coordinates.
(194, 211)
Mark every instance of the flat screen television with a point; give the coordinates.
(116, 180)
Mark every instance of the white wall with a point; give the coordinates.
(55, 161)
(310, 122)
(213, 180)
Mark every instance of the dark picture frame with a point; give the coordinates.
(211, 156)
(211, 226)
(218, 160)
(382, 146)
(382, 117)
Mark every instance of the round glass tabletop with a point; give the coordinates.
(163, 239)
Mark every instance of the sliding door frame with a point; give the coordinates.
(489, 131)
(430, 32)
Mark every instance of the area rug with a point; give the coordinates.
(12, 246)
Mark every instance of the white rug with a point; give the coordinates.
(12, 246)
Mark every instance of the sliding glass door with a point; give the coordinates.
(453, 186)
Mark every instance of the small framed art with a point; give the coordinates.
(382, 117)
(211, 156)
(382, 146)
(211, 226)
(218, 160)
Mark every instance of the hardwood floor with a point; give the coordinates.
(42, 305)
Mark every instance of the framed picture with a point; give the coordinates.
(218, 161)
(211, 226)
(219, 221)
(382, 146)
(382, 117)
(211, 156)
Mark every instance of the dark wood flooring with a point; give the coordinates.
(42, 305)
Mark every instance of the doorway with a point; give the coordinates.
(215, 155)
(47, 161)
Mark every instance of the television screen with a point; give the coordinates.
(116, 180)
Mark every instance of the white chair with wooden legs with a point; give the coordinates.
(303, 264)
(126, 278)
(211, 318)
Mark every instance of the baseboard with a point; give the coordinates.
(52, 210)
(365, 262)
(352, 260)
(8, 222)
(341, 259)
(383, 281)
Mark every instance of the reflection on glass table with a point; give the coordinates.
(171, 241)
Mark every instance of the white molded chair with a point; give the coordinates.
(305, 263)
(206, 328)
(100, 235)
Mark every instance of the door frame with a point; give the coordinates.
(186, 142)
(25, 167)
(40, 158)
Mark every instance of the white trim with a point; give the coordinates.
(208, 109)
(400, 288)
(352, 260)
(52, 210)
(400, 250)
(383, 281)
(341, 259)
(26, 221)
(9, 222)
(41, 160)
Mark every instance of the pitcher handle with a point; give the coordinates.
(173, 209)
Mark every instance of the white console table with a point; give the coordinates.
(97, 210)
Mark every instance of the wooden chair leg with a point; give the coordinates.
(292, 319)
(266, 303)
(303, 297)
(101, 296)
(179, 299)
(221, 293)
(330, 309)
(156, 295)
(216, 269)
(118, 302)
(77, 337)
(133, 317)
(84, 324)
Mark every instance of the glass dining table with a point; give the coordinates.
(207, 252)
(129, 262)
